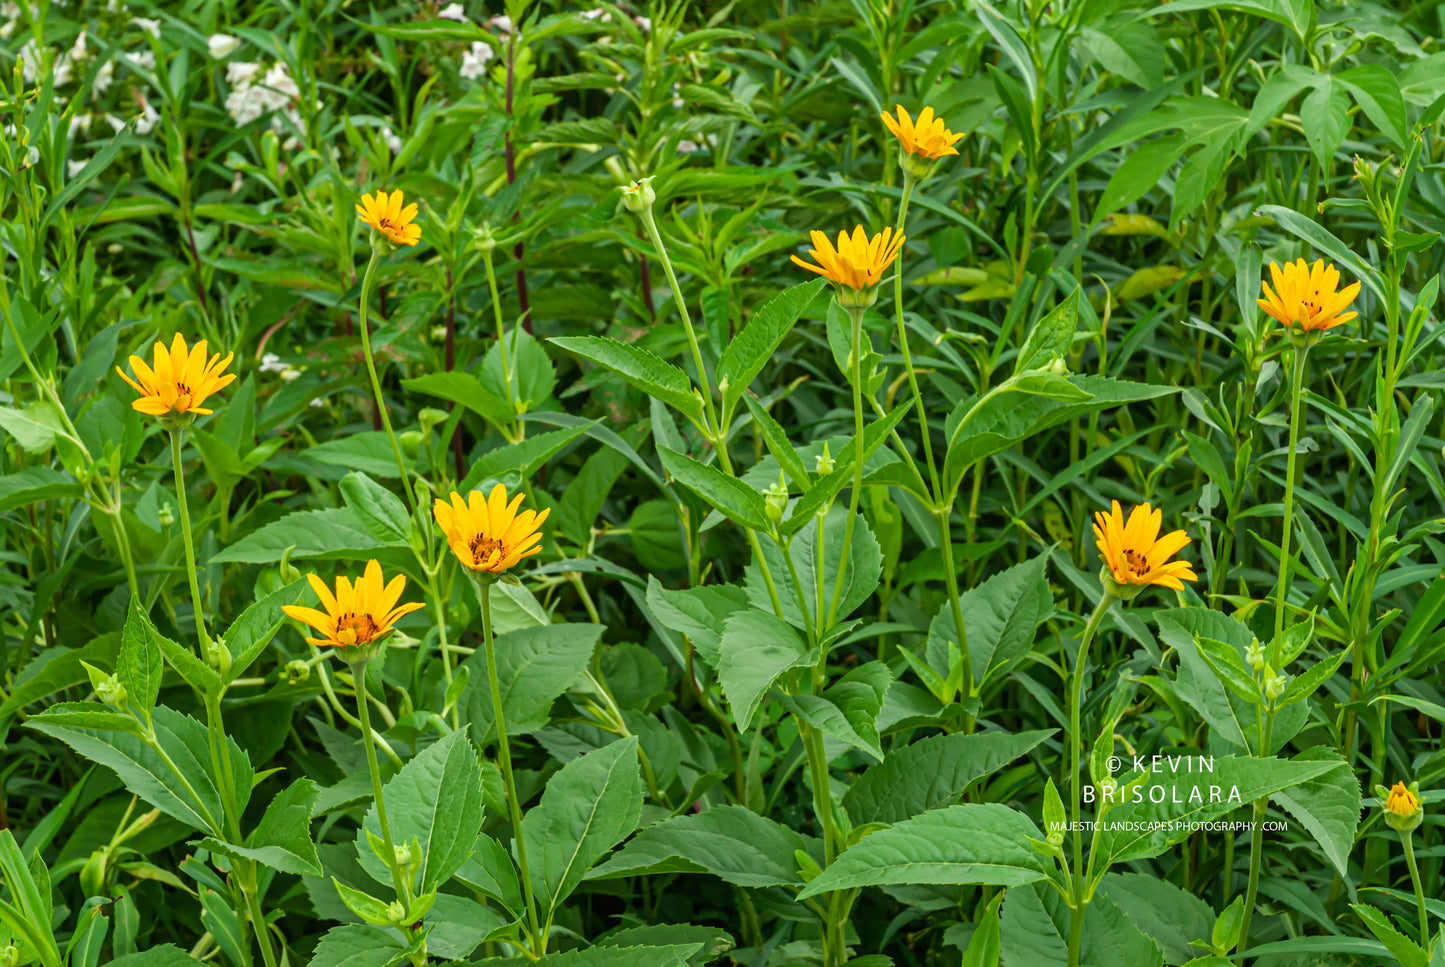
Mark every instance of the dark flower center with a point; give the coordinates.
(355, 628)
(1137, 562)
(482, 547)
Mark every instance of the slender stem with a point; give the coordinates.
(1301, 355)
(504, 753)
(502, 342)
(955, 600)
(855, 313)
(258, 917)
(823, 807)
(908, 182)
(358, 679)
(1419, 892)
(202, 638)
(1076, 914)
(1256, 854)
(439, 607)
(375, 382)
(712, 425)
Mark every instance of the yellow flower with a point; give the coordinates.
(927, 137)
(385, 213)
(1402, 801)
(487, 533)
(1306, 296)
(357, 615)
(1134, 552)
(858, 262)
(180, 380)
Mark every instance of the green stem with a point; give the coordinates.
(375, 382)
(822, 805)
(1256, 854)
(358, 678)
(502, 341)
(258, 918)
(439, 607)
(1076, 914)
(1301, 355)
(713, 427)
(855, 313)
(908, 182)
(202, 638)
(1419, 892)
(504, 753)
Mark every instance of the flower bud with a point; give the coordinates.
(396, 913)
(1056, 838)
(9, 956)
(410, 442)
(1254, 655)
(218, 656)
(166, 516)
(110, 691)
(297, 672)
(1274, 683)
(1058, 367)
(824, 463)
(1402, 805)
(639, 196)
(850, 298)
(403, 855)
(483, 240)
(429, 417)
(776, 498)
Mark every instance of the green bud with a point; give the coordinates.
(776, 498)
(483, 240)
(639, 196)
(218, 656)
(850, 298)
(9, 956)
(1254, 655)
(396, 913)
(824, 463)
(166, 516)
(410, 441)
(1274, 683)
(297, 671)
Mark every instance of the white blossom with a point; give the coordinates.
(598, 14)
(75, 167)
(152, 27)
(453, 11)
(240, 72)
(502, 22)
(392, 141)
(474, 61)
(644, 22)
(141, 60)
(271, 363)
(148, 119)
(221, 45)
(104, 77)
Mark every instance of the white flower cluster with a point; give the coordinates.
(251, 99)
(474, 61)
(271, 363)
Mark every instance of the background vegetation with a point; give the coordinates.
(708, 773)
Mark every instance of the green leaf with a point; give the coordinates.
(730, 842)
(931, 773)
(35, 427)
(1225, 661)
(524, 458)
(189, 796)
(1325, 116)
(1171, 916)
(1404, 950)
(330, 534)
(490, 871)
(1328, 806)
(827, 487)
(727, 495)
(1051, 336)
(249, 634)
(534, 666)
(356, 945)
(1306, 684)
(282, 840)
(436, 799)
(139, 666)
(380, 511)
(698, 613)
(165, 955)
(609, 956)
(860, 579)
(1299, 15)
(745, 356)
(88, 715)
(34, 485)
(1005, 420)
(974, 843)
(465, 389)
(1035, 925)
(756, 649)
(1377, 91)
(588, 807)
(643, 369)
(778, 444)
(848, 709)
(1001, 616)
(1196, 682)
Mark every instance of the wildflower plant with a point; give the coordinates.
(568, 552)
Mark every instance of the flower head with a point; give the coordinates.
(1308, 296)
(639, 196)
(1403, 810)
(928, 137)
(179, 381)
(385, 213)
(857, 263)
(359, 615)
(1135, 554)
(486, 533)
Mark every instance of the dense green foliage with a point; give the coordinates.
(817, 662)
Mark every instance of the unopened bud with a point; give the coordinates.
(824, 463)
(1254, 655)
(483, 240)
(1058, 367)
(166, 516)
(1274, 683)
(396, 913)
(218, 656)
(410, 442)
(297, 671)
(111, 691)
(776, 498)
(403, 855)
(9, 956)
(429, 417)
(639, 196)
(1056, 838)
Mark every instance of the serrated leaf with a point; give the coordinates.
(727, 495)
(730, 842)
(642, 368)
(755, 650)
(745, 356)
